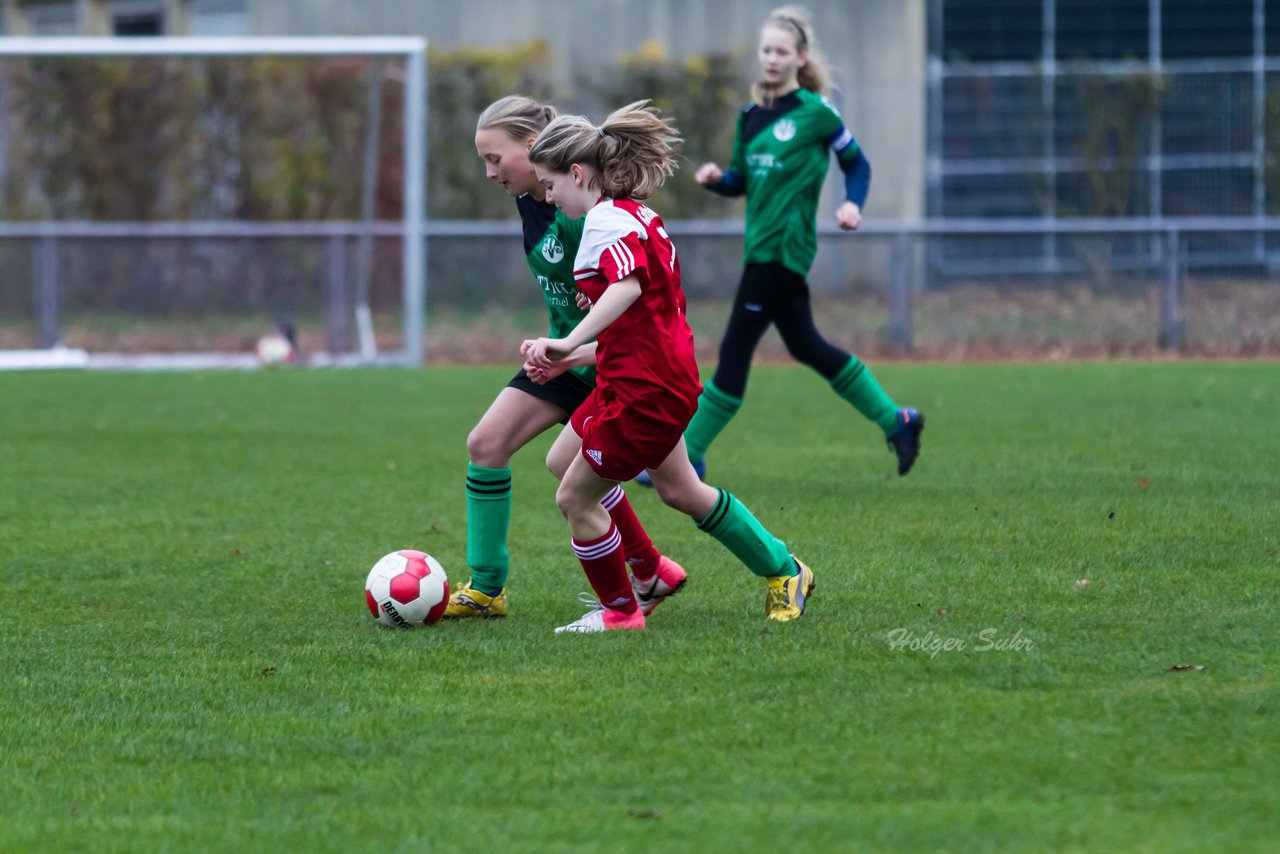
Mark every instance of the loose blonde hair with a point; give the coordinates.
(519, 116)
(812, 75)
(633, 151)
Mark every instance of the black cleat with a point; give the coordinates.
(905, 441)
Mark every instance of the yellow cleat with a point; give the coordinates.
(788, 594)
(469, 602)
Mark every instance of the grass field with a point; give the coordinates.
(188, 663)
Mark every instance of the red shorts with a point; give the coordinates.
(618, 441)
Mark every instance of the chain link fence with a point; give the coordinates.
(962, 289)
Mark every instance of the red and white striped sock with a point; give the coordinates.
(606, 570)
(640, 553)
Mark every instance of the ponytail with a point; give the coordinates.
(633, 151)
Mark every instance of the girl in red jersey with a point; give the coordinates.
(531, 404)
(647, 378)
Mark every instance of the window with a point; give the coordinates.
(1271, 14)
(991, 30)
(53, 18)
(219, 18)
(136, 18)
(1194, 29)
(1103, 29)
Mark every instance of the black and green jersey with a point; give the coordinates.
(780, 157)
(551, 244)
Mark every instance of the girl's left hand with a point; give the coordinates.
(849, 216)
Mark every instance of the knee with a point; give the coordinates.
(674, 495)
(486, 448)
(570, 505)
(562, 503)
(558, 464)
(805, 351)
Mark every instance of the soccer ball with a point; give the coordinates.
(407, 590)
(275, 349)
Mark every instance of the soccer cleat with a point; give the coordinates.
(699, 468)
(469, 602)
(600, 619)
(905, 441)
(787, 595)
(667, 581)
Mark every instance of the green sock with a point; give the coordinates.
(715, 410)
(732, 524)
(856, 384)
(488, 515)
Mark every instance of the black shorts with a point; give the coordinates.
(566, 391)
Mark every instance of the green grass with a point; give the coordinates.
(188, 664)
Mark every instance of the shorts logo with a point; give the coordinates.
(596, 456)
(784, 130)
(552, 250)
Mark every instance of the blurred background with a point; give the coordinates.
(1052, 178)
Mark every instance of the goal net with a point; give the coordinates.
(170, 201)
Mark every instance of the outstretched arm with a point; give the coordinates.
(617, 298)
(726, 182)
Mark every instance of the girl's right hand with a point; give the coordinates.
(544, 352)
(708, 174)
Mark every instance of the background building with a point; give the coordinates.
(1033, 102)
(875, 48)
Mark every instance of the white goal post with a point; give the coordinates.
(411, 49)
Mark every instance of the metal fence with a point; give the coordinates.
(970, 286)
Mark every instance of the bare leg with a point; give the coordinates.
(678, 485)
(512, 421)
(579, 500)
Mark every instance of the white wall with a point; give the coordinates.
(875, 49)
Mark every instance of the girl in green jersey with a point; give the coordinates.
(780, 158)
(536, 399)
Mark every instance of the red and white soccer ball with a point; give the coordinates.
(407, 590)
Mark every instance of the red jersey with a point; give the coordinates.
(645, 358)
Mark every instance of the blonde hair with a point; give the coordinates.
(812, 75)
(633, 151)
(519, 116)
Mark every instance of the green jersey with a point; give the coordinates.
(551, 244)
(782, 153)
